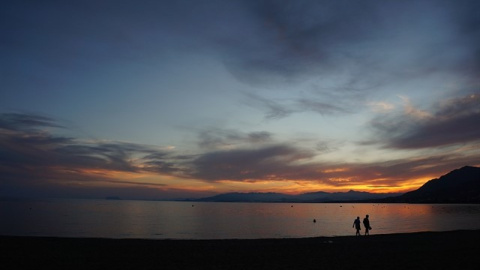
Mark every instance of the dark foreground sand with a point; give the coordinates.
(431, 250)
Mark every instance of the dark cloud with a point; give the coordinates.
(19, 121)
(163, 163)
(324, 146)
(467, 25)
(273, 109)
(455, 121)
(273, 162)
(214, 138)
(259, 137)
(293, 38)
(30, 153)
(112, 156)
(321, 107)
(286, 163)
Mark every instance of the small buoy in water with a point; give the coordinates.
(314, 220)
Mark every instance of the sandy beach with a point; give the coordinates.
(426, 250)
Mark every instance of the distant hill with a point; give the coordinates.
(249, 197)
(458, 186)
(342, 196)
(305, 197)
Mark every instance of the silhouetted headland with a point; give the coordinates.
(458, 186)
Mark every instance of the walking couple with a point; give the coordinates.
(366, 224)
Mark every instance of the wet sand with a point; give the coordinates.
(427, 250)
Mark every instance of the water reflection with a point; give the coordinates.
(184, 220)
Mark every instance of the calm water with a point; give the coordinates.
(184, 220)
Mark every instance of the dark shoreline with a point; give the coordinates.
(424, 250)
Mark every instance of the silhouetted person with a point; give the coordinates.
(366, 223)
(356, 225)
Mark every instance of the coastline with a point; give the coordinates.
(423, 250)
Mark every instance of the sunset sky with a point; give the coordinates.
(187, 99)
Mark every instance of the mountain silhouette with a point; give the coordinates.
(305, 197)
(458, 186)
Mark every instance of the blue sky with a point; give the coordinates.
(173, 99)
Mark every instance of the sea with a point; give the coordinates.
(214, 220)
